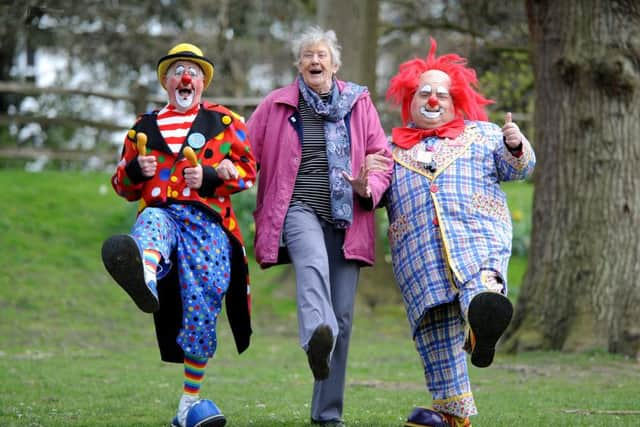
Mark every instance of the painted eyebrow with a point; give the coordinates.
(440, 90)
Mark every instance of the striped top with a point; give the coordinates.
(174, 125)
(312, 182)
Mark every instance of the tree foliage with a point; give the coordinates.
(492, 36)
(114, 45)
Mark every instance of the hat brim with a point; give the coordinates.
(165, 62)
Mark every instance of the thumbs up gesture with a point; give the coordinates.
(511, 132)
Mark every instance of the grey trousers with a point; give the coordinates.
(325, 293)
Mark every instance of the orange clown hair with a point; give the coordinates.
(468, 103)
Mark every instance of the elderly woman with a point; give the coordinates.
(316, 200)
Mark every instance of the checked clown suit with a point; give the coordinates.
(450, 237)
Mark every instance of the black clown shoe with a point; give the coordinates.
(489, 315)
(122, 258)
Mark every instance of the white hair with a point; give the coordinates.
(316, 35)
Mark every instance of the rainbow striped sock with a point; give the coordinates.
(151, 259)
(194, 368)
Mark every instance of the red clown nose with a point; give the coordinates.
(186, 79)
(432, 101)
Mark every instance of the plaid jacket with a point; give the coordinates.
(450, 223)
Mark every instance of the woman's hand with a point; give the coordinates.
(359, 183)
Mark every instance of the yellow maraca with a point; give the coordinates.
(190, 155)
(141, 143)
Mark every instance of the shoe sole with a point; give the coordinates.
(121, 258)
(489, 315)
(214, 421)
(320, 346)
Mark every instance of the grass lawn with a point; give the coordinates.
(74, 350)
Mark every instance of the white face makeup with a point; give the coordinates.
(184, 101)
(185, 84)
(432, 105)
(440, 92)
(192, 71)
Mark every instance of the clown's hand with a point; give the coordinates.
(511, 133)
(359, 183)
(227, 170)
(193, 177)
(148, 165)
(378, 162)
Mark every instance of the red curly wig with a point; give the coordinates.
(468, 103)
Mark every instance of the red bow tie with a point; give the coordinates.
(408, 137)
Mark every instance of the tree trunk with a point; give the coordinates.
(581, 290)
(356, 25)
(9, 30)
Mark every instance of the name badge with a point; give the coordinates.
(425, 157)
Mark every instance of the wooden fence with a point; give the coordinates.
(139, 97)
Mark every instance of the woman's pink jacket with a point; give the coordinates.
(275, 134)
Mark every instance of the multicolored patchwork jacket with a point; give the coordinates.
(446, 207)
(216, 133)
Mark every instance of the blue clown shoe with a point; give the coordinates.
(205, 413)
(423, 417)
(122, 259)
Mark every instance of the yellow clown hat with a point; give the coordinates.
(186, 52)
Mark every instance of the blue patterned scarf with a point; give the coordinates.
(334, 110)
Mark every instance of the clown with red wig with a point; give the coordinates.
(449, 225)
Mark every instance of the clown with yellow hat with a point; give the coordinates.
(182, 163)
(185, 73)
(186, 52)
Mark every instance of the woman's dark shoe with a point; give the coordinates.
(318, 352)
(330, 423)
